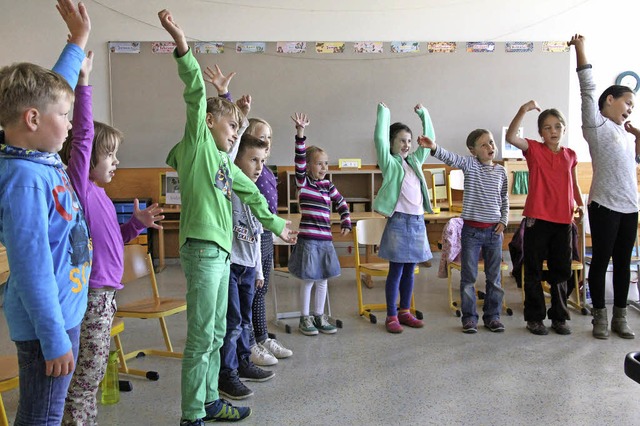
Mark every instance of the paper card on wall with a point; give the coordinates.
(441, 46)
(251, 47)
(405, 46)
(291, 47)
(209, 47)
(368, 47)
(518, 47)
(172, 185)
(330, 47)
(555, 47)
(124, 47)
(508, 150)
(163, 47)
(481, 47)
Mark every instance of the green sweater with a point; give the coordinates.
(207, 175)
(391, 165)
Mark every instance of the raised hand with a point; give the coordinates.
(530, 106)
(244, 103)
(149, 216)
(300, 119)
(631, 129)
(77, 20)
(426, 142)
(85, 70)
(417, 107)
(167, 22)
(577, 40)
(382, 104)
(218, 80)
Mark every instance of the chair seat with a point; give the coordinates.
(147, 308)
(8, 372)
(381, 268)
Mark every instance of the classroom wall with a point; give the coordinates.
(33, 31)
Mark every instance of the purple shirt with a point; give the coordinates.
(107, 235)
(267, 184)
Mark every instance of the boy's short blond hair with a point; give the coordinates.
(220, 107)
(25, 85)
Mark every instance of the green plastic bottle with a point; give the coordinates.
(110, 385)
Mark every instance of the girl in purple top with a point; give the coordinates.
(87, 165)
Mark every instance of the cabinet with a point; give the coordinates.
(124, 210)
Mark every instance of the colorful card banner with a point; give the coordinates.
(330, 47)
(441, 47)
(481, 47)
(291, 47)
(163, 47)
(124, 47)
(405, 46)
(251, 47)
(208, 47)
(555, 46)
(368, 47)
(518, 47)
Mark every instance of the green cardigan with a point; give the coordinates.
(391, 165)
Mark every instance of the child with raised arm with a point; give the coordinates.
(485, 210)
(403, 199)
(554, 196)
(314, 259)
(613, 197)
(48, 249)
(90, 154)
(207, 177)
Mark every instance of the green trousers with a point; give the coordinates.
(206, 268)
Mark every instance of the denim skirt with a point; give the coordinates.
(314, 260)
(404, 239)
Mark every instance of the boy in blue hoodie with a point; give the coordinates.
(42, 225)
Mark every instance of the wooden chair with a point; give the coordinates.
(455, 182)
(369, 233)
(8, 380)
(138, 264)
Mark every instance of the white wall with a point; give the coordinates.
(32, 30)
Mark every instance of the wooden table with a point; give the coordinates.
(171, 222)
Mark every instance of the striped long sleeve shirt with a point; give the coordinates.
(485, 197)
(315, 198)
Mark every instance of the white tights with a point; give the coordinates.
(320, 296)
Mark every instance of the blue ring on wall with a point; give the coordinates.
(631, 74)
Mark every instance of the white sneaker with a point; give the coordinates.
(276, 348)
(261, 356)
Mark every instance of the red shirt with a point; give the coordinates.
(550, 195)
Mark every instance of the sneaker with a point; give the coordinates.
(230, 386)
(537, 327)
(306, 326)
(406, 318)
(196, 422)
(560, 327)
(276, 348)
(252, 373)
(393, 325)
(223, 411)
(262, 356)
(323, 325)
(495, 326)
(470, 327)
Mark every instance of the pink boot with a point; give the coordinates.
(409, 320)
(392, 325)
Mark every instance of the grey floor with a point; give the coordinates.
(435, 375)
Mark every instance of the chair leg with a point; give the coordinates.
(165, 334)
(3, 414)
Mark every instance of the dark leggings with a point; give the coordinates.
(399, 280)
(612, 236)
(259, 318)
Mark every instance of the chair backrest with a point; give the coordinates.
(456, 179)
(369, 231)
(136, 263)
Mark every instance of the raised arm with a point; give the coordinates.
(512, 133)
(635, 132)
(301, 121)
(175, 31)
(79, 26)
(381, 136)
(577, 41)
(218, 79)
(427, 129)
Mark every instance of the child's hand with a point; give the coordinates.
(219, 80)
(345, 231)
(287, 235)
(85, 70)
(174, 30)
(244, 103)
(417, 108)
(426, 142)
(149, 216)
(530, 106)
(259, 283)
(382, 104)
(77, 20)
(633, 130)
(499, 229)
(577, 41)
(60, 366)
(300, 119)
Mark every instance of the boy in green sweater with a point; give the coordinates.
(207, 177)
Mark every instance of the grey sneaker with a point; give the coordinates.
(252, 373)
(223, 411)
(230, 386)
(495, 326)
(323, 325)
(306, 326)
(470, 327)
(560, 327)
(537, 327)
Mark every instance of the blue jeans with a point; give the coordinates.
(473, 240)
(41, 396)
(236, 344)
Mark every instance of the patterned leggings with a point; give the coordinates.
(259, 318)
(93, 354)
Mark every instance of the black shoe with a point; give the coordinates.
(197, 422)
(223, 411)
(229, 385)
(252, 373)
(561, 327)
(537, 327)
